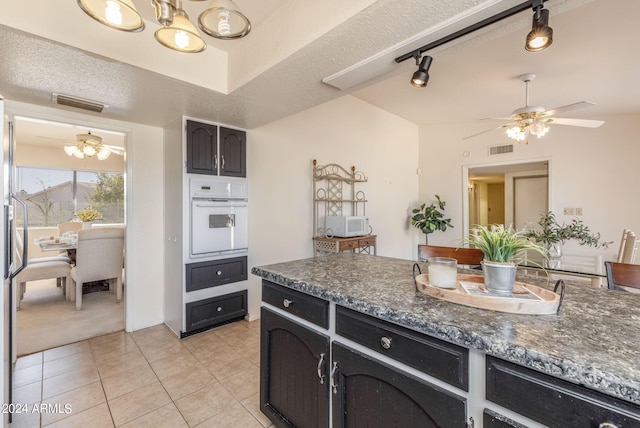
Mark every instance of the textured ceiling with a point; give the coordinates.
(280, 73)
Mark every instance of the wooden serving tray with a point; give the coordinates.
(547, 302)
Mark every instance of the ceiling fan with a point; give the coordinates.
(534, 120)
(89, 145)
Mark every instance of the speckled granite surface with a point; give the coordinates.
(593, 341)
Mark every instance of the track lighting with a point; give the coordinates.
(421, 76)
(541, 35)
(222, 20)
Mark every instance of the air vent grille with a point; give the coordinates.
(70, 101)
(499, 150)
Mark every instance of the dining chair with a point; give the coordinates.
(99, 256)
(40, 268)
(464, 256)
(69, 226)
(623, 276)
(628, 247)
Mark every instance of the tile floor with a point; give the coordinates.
(148, 378)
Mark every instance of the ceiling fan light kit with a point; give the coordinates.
(222, 20)
(89, 145)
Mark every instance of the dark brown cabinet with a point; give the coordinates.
(233, 152)
(214, 150)
(202, 148)
(370, 393)
(554, 402)
(294, 384)
(214, 273)
(206, 313)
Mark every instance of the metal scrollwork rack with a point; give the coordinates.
(335, 193)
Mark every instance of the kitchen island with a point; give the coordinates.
(589, 350)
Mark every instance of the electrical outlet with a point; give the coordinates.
(569, 211)
(578, 211)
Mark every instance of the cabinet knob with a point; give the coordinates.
(286, 303)
(385, 342)
(219, 273)
(607, 425)
(219, 309)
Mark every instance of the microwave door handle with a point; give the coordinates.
(25, 240)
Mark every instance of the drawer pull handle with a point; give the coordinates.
(286, 303)
(219, 309)
(320, 365)
(219, 273)
(334, 373)
(607, 425)
(385, 342)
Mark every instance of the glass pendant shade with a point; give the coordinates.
(181, 35)
(103, 154)
(223, 20)
(118, 14)
(70, 150)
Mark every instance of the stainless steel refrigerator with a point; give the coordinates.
(10, 269)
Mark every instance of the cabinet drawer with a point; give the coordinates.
(554, 402)
(367, 242)
(307, 307)
(442, 360)
(215, 272)
(216, 310)
(348, 245)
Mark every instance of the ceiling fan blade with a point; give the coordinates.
(576, 122)
(488, 130)
(115, 149)
(568, 107)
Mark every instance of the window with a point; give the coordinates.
(53, 196)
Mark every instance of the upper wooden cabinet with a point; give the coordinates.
(214, 150)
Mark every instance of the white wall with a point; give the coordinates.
(346, 131)
(144, 202)
(593, 169)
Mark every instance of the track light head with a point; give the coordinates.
(421, 76)
(541, 35)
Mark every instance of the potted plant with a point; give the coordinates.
(503, 249)
(430, 218)
(88, 215)
(553, 235)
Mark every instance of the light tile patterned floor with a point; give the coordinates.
(148, 378)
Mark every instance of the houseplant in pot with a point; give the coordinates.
(503, 248)
(429, 218)
(553, 235)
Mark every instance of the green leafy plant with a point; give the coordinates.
(551, 232)
(429, 218)
(500, 244)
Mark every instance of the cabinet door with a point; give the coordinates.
(233, 152)
(202, 148)
(369, 393)
(294, 381)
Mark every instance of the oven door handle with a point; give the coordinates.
(219, 205)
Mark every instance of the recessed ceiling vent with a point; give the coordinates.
(71, 101)
(499, 150)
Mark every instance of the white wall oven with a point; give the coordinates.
(219, 217)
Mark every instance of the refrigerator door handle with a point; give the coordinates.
(25, 239)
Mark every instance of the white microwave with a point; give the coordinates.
(344, 226)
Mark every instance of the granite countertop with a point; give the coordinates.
(593, 341)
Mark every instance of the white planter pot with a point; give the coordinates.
(499, 277)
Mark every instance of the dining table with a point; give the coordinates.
(58, 244)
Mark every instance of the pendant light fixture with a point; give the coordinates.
(223, 20)
(541, 35)
(181, 35)
(88, 145)
(421, 76)
(118, 14)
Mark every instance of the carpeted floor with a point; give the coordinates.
(46, 320)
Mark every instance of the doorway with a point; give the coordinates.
(510, 193)
(55, 184)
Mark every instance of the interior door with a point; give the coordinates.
(530, 196)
